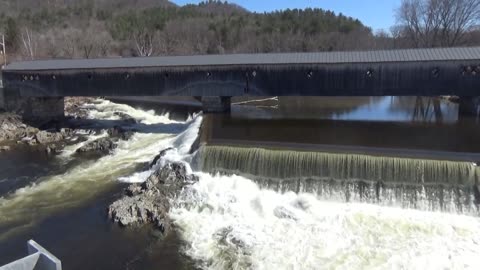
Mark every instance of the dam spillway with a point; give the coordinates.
(407, 182)
(258, 204)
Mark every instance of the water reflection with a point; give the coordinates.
(404, 109)
(425, 109)
(401, 123)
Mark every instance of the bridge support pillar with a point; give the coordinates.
(2, 99)
(216, 104)
(469, 106)
(35, 108)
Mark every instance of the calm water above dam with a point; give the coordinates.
(351, 183)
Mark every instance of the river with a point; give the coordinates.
(286, 183)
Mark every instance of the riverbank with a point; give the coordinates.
(14, 130)
(52, 137)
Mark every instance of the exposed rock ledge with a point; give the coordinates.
(105, 145)
(13, 128)
(149, 202)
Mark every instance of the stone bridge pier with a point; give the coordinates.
(215, 104)
(33, 108)
(2, 99)
(469, 106)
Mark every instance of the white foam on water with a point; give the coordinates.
(106, 109)
(55, 193)
(69, 150)
(181, 145)
(230, 223)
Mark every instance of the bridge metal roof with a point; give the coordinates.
(410, 55)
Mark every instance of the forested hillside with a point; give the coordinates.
(108, 28)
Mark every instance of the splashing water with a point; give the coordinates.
(231, 223)
(83, 182)
(430, 185)
(282, 219)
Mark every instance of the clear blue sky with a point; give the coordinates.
(378, 14)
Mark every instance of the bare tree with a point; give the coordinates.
(433, 23)
(104, 43)
(69, 43)
(29, 43)
(144, 41)
(86, 43)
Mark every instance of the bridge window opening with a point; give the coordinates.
(468, 70)
(476, 71)
(37, 77)
(370, 73)
(54, 77)
(31, 77)
(254, 73)
(127, 76)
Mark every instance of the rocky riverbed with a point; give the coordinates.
(55, 135)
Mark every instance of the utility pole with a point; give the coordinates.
(4, 52)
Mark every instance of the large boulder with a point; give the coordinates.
(159, 156)
(126, 118)
(120, 133)
(101, 146)
(140, 210)
(12, 128)
(45, 137)
(170, 174)
(149, 202)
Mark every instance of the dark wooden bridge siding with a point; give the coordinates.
(454, 71)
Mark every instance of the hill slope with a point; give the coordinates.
(98, 28)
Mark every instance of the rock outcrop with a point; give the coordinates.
(126, 118)
(45, 137)
(74, 106)
(149, 202)
(53, 136)
(12, 128)
(120, 133)
(107, 144)
(159, 156)
(99, 146)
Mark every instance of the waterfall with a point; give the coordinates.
(433, 185)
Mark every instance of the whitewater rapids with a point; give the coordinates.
(230, 222)
(52, 194)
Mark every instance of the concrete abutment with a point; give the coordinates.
(215, 104)
(35, 108)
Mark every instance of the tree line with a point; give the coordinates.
(111, 28)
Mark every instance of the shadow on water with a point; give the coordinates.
(412, 152)
(95, 124)
(63, 206)
(84, 239)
